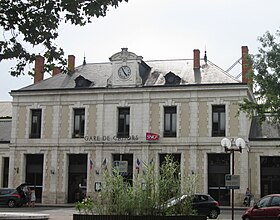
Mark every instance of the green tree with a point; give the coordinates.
(266, 80)
(37, 22)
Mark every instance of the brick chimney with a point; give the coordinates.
(246, 66)
(196, 59)
(71, 63)
(56, 70)
(39, 69)
(196, 66)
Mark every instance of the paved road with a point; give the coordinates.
(55, 213)
(66, 213)
(226, 214)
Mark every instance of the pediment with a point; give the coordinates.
(125, 55)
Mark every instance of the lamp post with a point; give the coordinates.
(239, 145)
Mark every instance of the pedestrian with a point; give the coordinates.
(247, 198)
(33, 198)
(28, 196)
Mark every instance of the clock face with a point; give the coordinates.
(124, 72)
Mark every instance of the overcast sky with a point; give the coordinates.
(165, 29)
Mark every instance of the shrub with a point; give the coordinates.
(86, 206)
(147, 196)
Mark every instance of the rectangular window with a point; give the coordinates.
(218, 121)
(79, 123)
(170, 121)
(123, 123)
(36, 117)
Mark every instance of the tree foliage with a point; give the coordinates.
(37, 22)
(266, 80)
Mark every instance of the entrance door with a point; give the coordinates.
(34, 173)
(218, 167)
(77, 180)
(173, 185)
(176, 158)
(270, 175)
(127, 167)
(5, 176)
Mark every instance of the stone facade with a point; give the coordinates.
(146, 96)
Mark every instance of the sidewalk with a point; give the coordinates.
(71, 205)
(235, 207)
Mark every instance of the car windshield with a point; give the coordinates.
(201, 198)
(175, 200)
(263, 202)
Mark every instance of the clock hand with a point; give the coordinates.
(124, 72)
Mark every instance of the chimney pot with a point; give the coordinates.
(196, 59)
(71, 63)
(39, 69)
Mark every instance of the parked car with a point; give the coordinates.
(267, 207)
(203, 204)
(12, 197)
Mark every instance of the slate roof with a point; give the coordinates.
(265, 131)
(5, 130)
(99, 73)
(5, 109)
(210, 73)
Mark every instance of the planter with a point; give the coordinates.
(137, 217)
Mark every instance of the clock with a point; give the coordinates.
(124, 72)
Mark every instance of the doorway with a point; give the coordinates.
(270, 175)
(77, 177)
(218, 167)
(124, 163)
(34, 174)
(5, 176)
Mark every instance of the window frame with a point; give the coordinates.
(171, 113)
(35, 123)
(217, 130)
(123, 122)
(78, 122)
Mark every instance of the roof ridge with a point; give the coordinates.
(175, 59)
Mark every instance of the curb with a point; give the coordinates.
(55, 205)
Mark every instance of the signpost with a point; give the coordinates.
(233, 182)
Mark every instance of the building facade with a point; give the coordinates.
(5, 136)
(125, 113)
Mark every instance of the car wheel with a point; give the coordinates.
(213, 214)
(12, 203)
(246, 218)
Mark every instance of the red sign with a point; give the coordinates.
(152, 136)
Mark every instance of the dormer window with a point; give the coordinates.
(82, 82)
(172, 79)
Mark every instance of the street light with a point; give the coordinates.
(239, 145)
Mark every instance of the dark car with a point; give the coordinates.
(11, 197)
(203, 204)
(267, 207)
